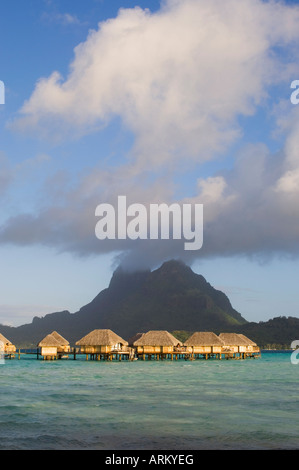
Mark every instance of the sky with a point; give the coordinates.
(172, 101)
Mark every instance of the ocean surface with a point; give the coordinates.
(179, 405)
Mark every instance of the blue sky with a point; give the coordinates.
(185, 101)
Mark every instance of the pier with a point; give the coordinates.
(130, 356)
(157, 345)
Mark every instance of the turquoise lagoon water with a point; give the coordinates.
(179, 405)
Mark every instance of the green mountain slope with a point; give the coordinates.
(172, 297)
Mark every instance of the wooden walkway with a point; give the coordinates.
(132, 356)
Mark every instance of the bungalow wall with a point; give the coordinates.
(101, 349)
(64, 349)
(216, 349)
(48, 351)
(154, 349)
(230, 348)
(234, 348)
(205, 349)
(250, 348)
(95, 349)
(202, 349)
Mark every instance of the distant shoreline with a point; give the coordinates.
(277, 350)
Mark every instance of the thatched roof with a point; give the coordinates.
(204, 338)
(157, 338)
(49, 341)
(249, 342)
(101, 338)
(232, 339)
(4, 340)
(62, 341)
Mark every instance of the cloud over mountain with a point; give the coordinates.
(180, 80)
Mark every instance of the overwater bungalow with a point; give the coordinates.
(157, 343)
(53, 346)
(49, 347)
(64, 345)
(235, 345)
(204, 343)
(103, 343)
(251, 346)
(6, 346)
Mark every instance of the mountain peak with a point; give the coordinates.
(123, 279)
(172, 297)
(173, 266)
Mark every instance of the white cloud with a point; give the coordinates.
(179, 79)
